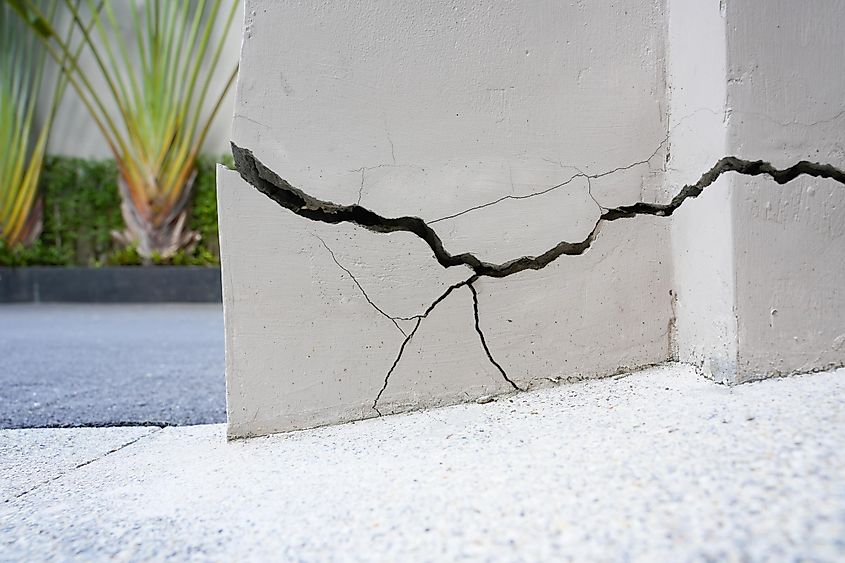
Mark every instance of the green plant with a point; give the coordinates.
(158, 127)
(82, 207)
(22, 143)
(35, 254)
(204, 207)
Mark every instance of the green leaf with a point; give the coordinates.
(33, 19)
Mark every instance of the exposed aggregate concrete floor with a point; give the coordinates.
(660, 465)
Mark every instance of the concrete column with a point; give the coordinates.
(702, 231)
(503, 126)
(759, 267)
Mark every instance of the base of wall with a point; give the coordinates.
(125, 284)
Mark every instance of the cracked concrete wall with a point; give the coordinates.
(758, 267)
(441, 202)
(501, 126)
(785, 85)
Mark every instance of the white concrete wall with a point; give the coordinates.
(759, 268)
(74, 133)
(478, 118)
(429, 110)
(786, 94)
(702, 231)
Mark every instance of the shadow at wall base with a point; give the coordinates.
(125, 284)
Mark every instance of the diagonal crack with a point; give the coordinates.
(411, 334)
(279, 190)
(82, 464)
(304, 205)
(361, 289)
(484, 341)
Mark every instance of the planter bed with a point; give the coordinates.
(122, 284)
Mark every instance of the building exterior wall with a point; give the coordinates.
(786, 80)
(430, 110)
(507, 128)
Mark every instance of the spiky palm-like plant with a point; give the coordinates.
(150, 102)
(23, 141)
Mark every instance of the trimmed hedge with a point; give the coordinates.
(82, 208)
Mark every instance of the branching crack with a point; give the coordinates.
(578, 174)
(411, 334)
(304, 205)
(279, 190)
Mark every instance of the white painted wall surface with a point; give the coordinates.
(786, 93)
(430, 109)
(466, 114)
(702, 231)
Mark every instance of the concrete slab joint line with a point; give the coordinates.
(85, 463)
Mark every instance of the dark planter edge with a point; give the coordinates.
(112, 284)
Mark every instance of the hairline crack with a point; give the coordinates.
(381, 311)
(283, 193)
(411, 334)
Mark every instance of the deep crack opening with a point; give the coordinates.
(304, 205)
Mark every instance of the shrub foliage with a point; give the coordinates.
(82, 208)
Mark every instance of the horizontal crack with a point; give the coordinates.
(309, 207)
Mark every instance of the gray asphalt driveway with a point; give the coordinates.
(105, 365)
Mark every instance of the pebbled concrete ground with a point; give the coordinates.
(659, 465)
(102, 365)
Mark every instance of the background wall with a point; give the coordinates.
(74, 132)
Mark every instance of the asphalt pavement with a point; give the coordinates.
(111, 365)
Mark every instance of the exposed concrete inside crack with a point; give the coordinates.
(294, 199)
(279, 190)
